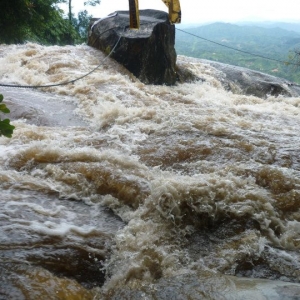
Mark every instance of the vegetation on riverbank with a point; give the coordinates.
(42, 21)
(6, 128)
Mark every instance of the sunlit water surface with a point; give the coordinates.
(112, 189)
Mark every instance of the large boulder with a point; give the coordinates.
(148, 53)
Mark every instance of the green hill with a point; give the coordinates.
(271, 24)
(274, 42)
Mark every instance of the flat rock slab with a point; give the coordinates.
(39, 108)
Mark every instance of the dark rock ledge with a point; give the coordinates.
(148, 53)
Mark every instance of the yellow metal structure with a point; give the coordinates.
(134, 14)
(174, 12)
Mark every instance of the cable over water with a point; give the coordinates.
(79, 78)
(239, 50)
(69, 81)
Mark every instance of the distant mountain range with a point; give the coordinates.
(252, 41)
(283, 25)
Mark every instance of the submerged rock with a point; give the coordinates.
(148, 53)
(209, 286)
(34, 107)
(241, 80)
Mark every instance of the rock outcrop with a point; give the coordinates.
(241, 80)
(148, 53)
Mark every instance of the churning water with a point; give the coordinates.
(112, 189)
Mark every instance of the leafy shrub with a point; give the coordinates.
(6, 128)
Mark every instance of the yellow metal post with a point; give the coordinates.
(173, 6)
(174, 10)
(134, 14)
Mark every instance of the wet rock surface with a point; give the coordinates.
(244, 81)
(190, 286)
(55, 244)
(41, 109)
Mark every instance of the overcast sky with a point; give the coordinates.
(200, 11)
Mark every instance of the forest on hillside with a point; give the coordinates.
(214, 42)
(43, 22)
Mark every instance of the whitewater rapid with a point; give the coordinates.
(120, 190)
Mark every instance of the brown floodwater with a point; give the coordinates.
(111, 189)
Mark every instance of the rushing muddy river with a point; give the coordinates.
(112, 189)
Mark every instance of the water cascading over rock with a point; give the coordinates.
(148, 53)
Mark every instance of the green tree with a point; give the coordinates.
(34, 20)
(92, 2)
(6, 128)
(42, 21)
(81, 23)
(70, 11)
(294, 58)
(14, 17)
(86, 3)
